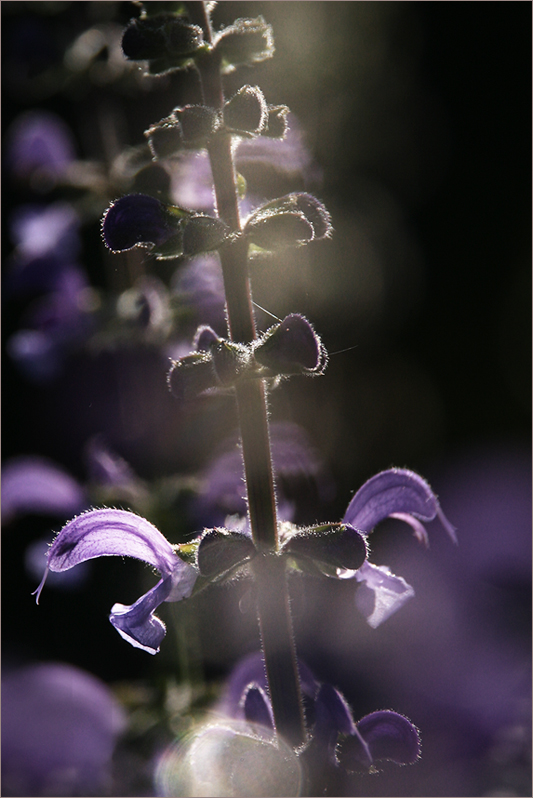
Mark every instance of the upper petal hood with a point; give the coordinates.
(393, 492)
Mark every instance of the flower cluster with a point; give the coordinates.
(337, 550)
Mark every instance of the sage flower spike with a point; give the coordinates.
(396, 493)
(108, 532)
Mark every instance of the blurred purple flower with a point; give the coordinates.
(296, 465)
(382, 735)
(32, 484)
(105, 467)
(103, 533)
(39, 230)
(39, 144)
(56, 323)
(47, 244)
(199, 285)
(59, 729)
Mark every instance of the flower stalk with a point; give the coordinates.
(273, 605)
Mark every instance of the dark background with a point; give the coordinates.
(419, 119)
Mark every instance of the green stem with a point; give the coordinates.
(275, 621)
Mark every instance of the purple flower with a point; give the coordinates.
(107, 532)
(396, 493)
(137, 219)
(59, 728)
(296, 463)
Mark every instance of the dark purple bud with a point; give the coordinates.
(291, 347)
(230, 360)
(205, 338)
(246, 41)
(191, 376)
(256, 707)
(276, 126)
(159, 36)
(339, 545)
(388, 735)
(246, 113)
(220, 550)
(139, 220)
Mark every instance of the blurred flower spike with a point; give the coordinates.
(107, 532)
(334, 738)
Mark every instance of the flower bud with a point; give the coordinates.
(220, 550)
(339, 545)
(163, 35)
(291, 347)
(230, 361)
(190, 126)
(165, 139)
(246, 41)
(205, 338)
(292, 220)
(276, 125)
(246, 112)
(140, 220)
(203, 234)
(198, 123)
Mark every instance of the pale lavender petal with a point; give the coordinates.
(381, 594)
(394, 491)
(35, 566)
(108, 532)
(102, 533)
(37, 485)
(137, 624)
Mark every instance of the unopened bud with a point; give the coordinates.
(292, 347)
(220, 550)
(246, 113)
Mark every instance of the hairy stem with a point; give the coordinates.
(275, 620)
